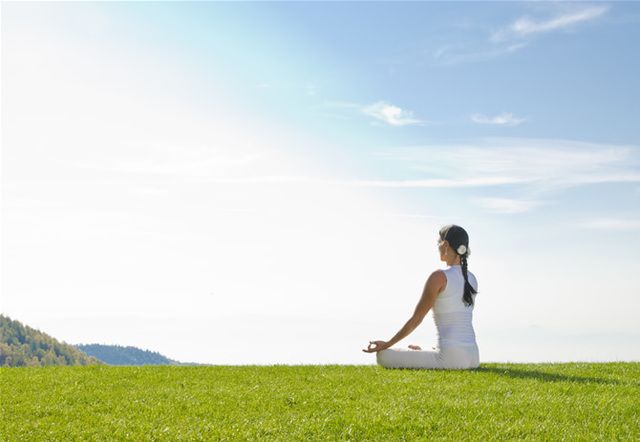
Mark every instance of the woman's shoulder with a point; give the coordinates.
(439, 275)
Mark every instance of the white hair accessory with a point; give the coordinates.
(461, 249)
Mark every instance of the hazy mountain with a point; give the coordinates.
(120, 355)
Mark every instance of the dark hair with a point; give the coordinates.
(457, 236)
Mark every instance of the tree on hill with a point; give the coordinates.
(23, 346)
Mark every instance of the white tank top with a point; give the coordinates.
(452, 317)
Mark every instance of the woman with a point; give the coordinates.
(451, 292)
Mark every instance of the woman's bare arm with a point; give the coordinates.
(434, 285)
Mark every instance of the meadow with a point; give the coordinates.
(568, 401)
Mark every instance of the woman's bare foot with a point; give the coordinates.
(415, 347)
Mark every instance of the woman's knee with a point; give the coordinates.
(383, 357)
(392, 358)
(401, 358)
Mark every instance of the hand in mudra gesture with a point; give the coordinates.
(381, 345)
(377, 346)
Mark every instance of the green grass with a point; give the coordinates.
(573, 401)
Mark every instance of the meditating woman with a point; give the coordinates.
(451, 292)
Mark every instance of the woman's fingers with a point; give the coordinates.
(377, 346)
(369, 348)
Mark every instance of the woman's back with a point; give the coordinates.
(453, 319)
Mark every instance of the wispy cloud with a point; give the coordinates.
(308, 87)
(529, 159)
(390, 114)
(504, 119)
(611, 224)
(262, 179)
(193, 167)
(450, 55)
(517, 35)
(20, 203)
(531, 170)
(417, 215)
(439, 182)
(147, 191)
(381, 111)
(182, 163)
(219, 169)
(534, 168)
(507, 205)
(526, 26)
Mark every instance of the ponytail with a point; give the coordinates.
(459, 241)
(468, 288)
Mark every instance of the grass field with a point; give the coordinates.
(573, 401)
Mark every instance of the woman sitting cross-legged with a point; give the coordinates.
(451, 292)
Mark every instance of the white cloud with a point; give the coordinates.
(381, 110)
(504, 119)
(506, 205)
(390, 114)
(534, 167)
(517, 35)
(419, 215)
(439, 182)
(539, 161)
(539, 165)
(525, 26)
(611, 224)
(146, 191)
(308, 88)
(264, 179)
(203, 165)
(450, 55)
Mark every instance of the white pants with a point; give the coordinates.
(444, 358)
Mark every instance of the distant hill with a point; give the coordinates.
(21, 345)
(119, 355)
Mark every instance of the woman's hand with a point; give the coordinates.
(378, 345)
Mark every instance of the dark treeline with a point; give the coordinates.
(119, 355)
(23, 346)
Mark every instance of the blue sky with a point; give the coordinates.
(441, 61)
(280, 170)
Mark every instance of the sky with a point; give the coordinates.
(263, 183)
